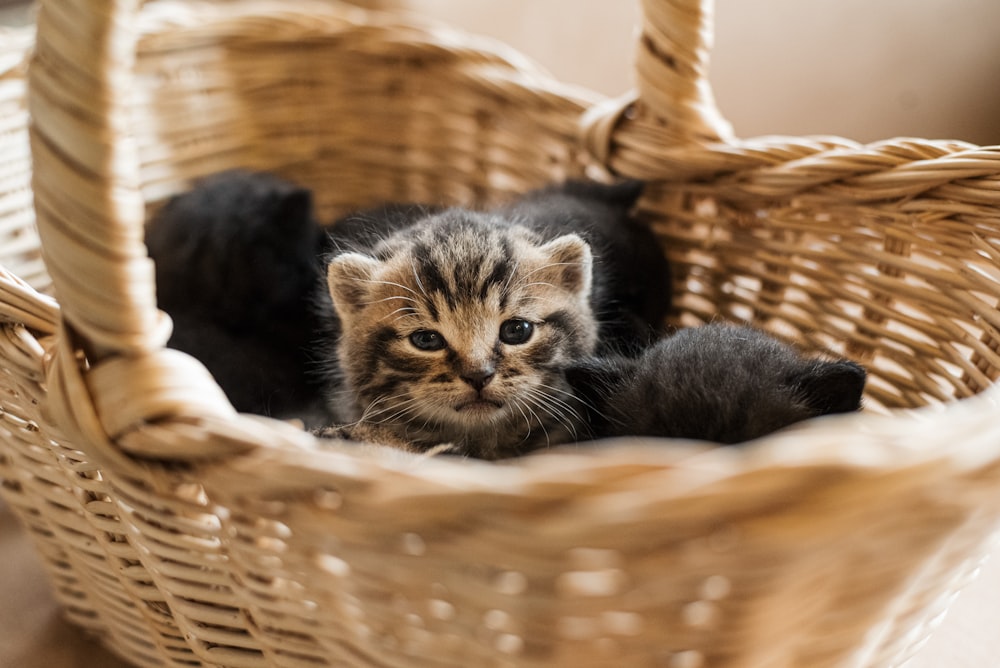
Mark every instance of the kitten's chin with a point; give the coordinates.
(479, 407)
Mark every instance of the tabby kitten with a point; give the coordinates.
(720, 383)
(458, 327)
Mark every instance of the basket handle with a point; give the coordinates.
(126, 394)
(672, 102)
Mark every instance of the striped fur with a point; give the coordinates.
(462, 275)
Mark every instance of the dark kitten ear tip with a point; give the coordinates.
(296, 202)
(850, 371)
(833, 387)
(622, 193)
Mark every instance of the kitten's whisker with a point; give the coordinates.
(570, 396)
(552, 410)
(420, 284)
(379, 301)
(370, 409)
(555, 400)
(527, 422)
(401, 409)
(541, 423)
(399, 415)
(397, 410)
(396, 285)
(408, 312)
(560, 390)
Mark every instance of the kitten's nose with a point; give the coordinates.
(479, 378)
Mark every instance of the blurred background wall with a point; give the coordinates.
(864, 69)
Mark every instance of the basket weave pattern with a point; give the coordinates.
(184, 534)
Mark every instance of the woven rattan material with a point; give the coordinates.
(184, 534)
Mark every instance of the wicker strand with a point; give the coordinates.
(19, 303)
(672, 68)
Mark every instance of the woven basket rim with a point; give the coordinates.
(865, 442)
(954, 435)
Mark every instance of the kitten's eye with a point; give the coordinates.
(515, 332)
(427, 339)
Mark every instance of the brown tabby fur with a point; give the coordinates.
(462, 275)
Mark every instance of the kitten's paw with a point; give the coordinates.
(367, 433)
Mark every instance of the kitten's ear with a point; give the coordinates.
(569, 264)
(295, 206)
(348, 277)
(831, 387)
(622, 194)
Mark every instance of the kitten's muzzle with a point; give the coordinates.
(478, 379)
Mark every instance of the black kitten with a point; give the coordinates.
(720, 383)
(238, 269)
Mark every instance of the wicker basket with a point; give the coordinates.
(185, 535)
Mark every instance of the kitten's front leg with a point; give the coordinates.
(364, 432)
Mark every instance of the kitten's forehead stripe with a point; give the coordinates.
(432, 309)
(431, 276)
(466, 275)
(499, 277)
(457, 257)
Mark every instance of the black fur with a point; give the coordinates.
(237, 269)
(720, 383)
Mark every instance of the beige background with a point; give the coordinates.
(864, 69)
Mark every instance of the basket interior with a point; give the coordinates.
(368, 113)
(906, 284)
(360, 114)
